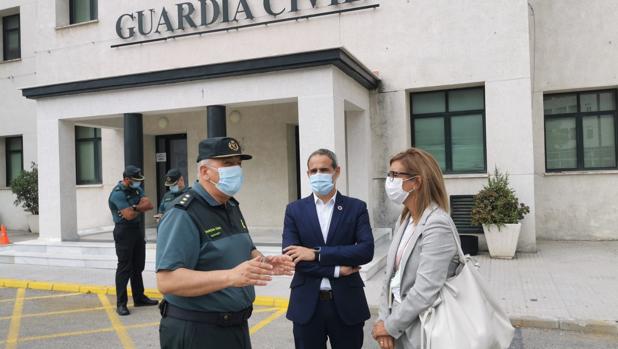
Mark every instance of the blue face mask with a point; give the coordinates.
(175, 188)
(135, 184)
(322, 183)
(230, 180)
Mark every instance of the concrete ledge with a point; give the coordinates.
(584, 326)
(590, 326)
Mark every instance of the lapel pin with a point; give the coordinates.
(340, 208)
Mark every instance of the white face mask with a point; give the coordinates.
(394, 190)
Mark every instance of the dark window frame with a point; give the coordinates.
(8, 152)
(447, 116)
(96, 140)
(579, 129)
(5, 36)
(93, 11)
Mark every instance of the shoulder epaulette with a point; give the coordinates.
(184, 200)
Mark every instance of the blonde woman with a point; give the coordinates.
(423, 252)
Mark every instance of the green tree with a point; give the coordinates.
(26, 189)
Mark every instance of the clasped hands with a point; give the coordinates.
(384, 339)
(300, 253)
(259, 270)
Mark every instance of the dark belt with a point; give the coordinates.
(326, 295)
(128, 224)
(214, 318)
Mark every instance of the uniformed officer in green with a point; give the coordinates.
(207, 264)
(127, 202)
(176, 182)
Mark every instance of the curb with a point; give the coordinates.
(606, 327)
(584, 326)
(263, 301)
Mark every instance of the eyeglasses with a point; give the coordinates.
(391, 175)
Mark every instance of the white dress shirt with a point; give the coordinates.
(325, 214)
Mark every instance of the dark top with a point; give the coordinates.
(198, 233)
(349, 243)
(168, 199)
(123, 197)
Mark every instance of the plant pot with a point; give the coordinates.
(502, 242)
(33, 223)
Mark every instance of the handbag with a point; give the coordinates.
(465, 315)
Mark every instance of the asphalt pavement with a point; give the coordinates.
(58, 320)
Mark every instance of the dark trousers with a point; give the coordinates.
(131, 252)
(182, 334)
(326, 323)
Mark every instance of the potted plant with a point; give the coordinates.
(26, 189)
(497, 208)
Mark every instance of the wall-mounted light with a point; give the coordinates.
(235, 116)
(163, 122)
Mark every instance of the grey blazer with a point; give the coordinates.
(431, 257)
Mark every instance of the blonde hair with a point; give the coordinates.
(418, 162)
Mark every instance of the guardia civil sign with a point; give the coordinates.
(195, 15)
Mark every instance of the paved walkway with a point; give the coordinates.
(565, 285)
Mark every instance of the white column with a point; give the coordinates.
(510, 145)
(57, 206)
(321, 121)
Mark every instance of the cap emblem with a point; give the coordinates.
(233, 145)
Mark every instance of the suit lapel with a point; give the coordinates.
(392, 251)
(418, 231)
(334, 221)
(314, 222)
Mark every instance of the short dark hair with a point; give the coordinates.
(325, 152)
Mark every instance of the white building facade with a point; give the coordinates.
(528, 87)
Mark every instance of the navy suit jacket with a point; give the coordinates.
(350, 243)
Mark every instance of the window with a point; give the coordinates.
(88, 155)
(82, 11)
(451, 126)
(14, 158)
(11, 37)
(580, 131)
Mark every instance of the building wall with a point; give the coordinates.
(515, 50)
(262, 132)
(17, 114)
(92, 209)
(575, 49)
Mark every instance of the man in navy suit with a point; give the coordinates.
(329, 237)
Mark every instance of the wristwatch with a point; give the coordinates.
(134, 207)
(316, 254)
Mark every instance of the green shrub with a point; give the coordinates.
(26, 188)
(497, 204)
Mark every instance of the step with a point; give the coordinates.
(69, 260)
(69, 247)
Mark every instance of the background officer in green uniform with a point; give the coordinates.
(207, 264)
(176, 182)
(127, 203)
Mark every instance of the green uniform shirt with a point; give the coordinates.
(168, 199)
(224, 243)
(123, 197)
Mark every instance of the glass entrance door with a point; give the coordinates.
(171, 153)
